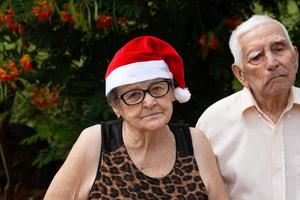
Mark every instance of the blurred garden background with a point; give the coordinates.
(53, 57)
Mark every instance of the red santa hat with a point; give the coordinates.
(145, 58)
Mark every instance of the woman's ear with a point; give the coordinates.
(173, 97)
(172, 92)
(116, 109)
(239, 74)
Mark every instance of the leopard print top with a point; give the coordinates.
(119, 178)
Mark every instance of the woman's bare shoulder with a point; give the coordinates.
(199, 138)
(75, 178)
(207, 164)
(91, 133)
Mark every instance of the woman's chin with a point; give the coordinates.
(154, 122)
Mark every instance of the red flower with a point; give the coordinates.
(43, 97)
(202, 39)
(26, 62)
(9, 72)
(44, 4)
(44, 11)
(43, 16)
(122, 20)
(8, 19)
(203, 43)
(36, 11)
(21, 29)
(39, 102)
(232, 23)
(67, 17)
(10, 11)
(213, 43)
(1, 18)
(104, 21)
(208, 42)
(12, 26)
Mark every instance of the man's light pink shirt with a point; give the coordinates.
(258, 159)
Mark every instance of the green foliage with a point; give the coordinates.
(71, 46)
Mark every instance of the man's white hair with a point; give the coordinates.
(251, 23)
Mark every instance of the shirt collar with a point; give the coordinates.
(295, 95)
(247, 100)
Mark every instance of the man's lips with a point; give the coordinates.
(278, 76)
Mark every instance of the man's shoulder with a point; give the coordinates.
(296, 89)
(296, 94)
(226, 103)
(223, 112)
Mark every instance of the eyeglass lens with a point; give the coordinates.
(136, 96)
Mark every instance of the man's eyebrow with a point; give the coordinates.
(279, 40)
(252, 54)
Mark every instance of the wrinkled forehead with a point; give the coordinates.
(264, 34)
(261, 32)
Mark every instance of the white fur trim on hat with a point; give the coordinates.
(137, 72)
(182, 95)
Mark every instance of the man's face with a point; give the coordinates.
(269, 61)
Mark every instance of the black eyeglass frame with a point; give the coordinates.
(144, 92)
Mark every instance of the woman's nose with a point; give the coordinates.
(149, 100)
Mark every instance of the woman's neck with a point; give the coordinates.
(151, 149)
(140, 139)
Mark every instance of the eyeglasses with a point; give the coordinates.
(157, 89)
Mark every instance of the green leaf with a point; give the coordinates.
(73, 12)
(9, 46)
(7, 38)
(31, 48)
(236, 85)
(41, 56)
(95, 10)
(19, 45)
(79, 63)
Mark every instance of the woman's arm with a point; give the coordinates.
(75, 178)
(208, 166)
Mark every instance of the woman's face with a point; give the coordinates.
(151, 113)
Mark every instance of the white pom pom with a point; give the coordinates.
(182, 95)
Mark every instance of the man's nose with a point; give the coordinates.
(272, 61)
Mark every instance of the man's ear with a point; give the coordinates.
(296, 57)
(237, 71)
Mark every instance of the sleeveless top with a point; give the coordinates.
(118, 178)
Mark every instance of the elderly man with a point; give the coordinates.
(255, 133)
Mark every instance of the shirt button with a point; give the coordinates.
(277, 170)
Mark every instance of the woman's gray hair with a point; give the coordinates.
(251, 23)
(112, 97)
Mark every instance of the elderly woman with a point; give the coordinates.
(141, 155)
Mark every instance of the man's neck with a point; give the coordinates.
(273, 105)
